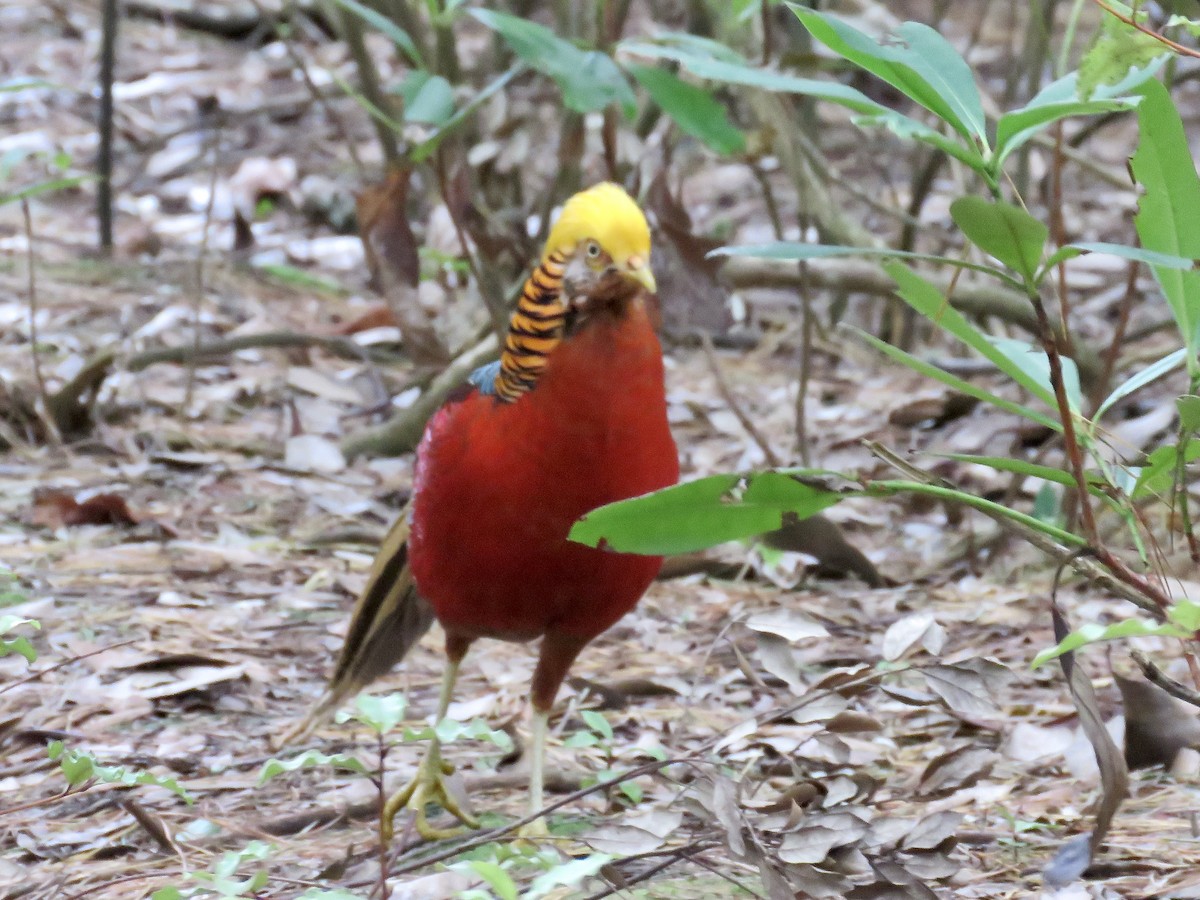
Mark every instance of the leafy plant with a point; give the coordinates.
(1008, 244)
(80, 768)
(20, 643)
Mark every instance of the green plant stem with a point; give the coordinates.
(1075, 458)
(368, 76)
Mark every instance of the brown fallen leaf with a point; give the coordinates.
(1076, 855)
(391, 251)
(52, 509)
(378, 315)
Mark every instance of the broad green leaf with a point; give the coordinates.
(428, 99)
(1185, 614)
(1155, 478)
(497, 879)
(703, 513)
(588, 79)
(379, 713)
(425, 149)
(919, 63)
(568, 874)
(955, 383)
(693, 109)
(1036, 366)
(1004, 231)
(1152, 372)
(1168, 218)
(597, 723)
(1118, 49)
(723, 69)
(1018, 126)
(794, 250)
(696, 45)
(1093, 632)
(384, 26)
(309, 759)
(926, 299)
(1189, 413)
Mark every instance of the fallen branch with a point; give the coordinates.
(71, 410)
(401, 433)
(973, 299)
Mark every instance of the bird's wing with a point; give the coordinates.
(389, 617)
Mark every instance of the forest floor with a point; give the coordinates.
(894, 738)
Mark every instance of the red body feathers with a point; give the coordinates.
(498, 486)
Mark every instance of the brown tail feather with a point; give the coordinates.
(389, 617)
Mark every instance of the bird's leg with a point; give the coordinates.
(557, 653)
(429, 784)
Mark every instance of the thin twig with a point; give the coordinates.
(43, 405)
(1157, 677)
(198, 287)
(731, 401)
(34, 676)
(1149, 32)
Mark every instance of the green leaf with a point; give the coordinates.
(1185, 614)
(1007, 232)
(597, 723)
(425, 149)
(1168, 218)
(736, 71)
(1017, 466)
(379, 713)
(1016, 127)
(497, 879)
(1118, 49)
(1093, 632)
(955, 383)
(384, 26)
(589, 80)
(703, 513)
(79, 766)
(1034, 363)
(567, 874)
(693, 109)
(1138, 254)
(1189, 413)
(307, 760)
(926, 299)
(919, 63)
(1152, 372)
(428, 99)
(1155, 478)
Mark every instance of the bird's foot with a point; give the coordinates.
(427, 786)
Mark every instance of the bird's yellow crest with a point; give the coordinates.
(610, 217)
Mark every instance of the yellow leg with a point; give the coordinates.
(537, 761)
(429, 784)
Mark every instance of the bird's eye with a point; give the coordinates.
(593, 250)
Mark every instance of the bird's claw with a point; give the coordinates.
(427, 786)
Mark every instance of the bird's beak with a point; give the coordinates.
(638, 269)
